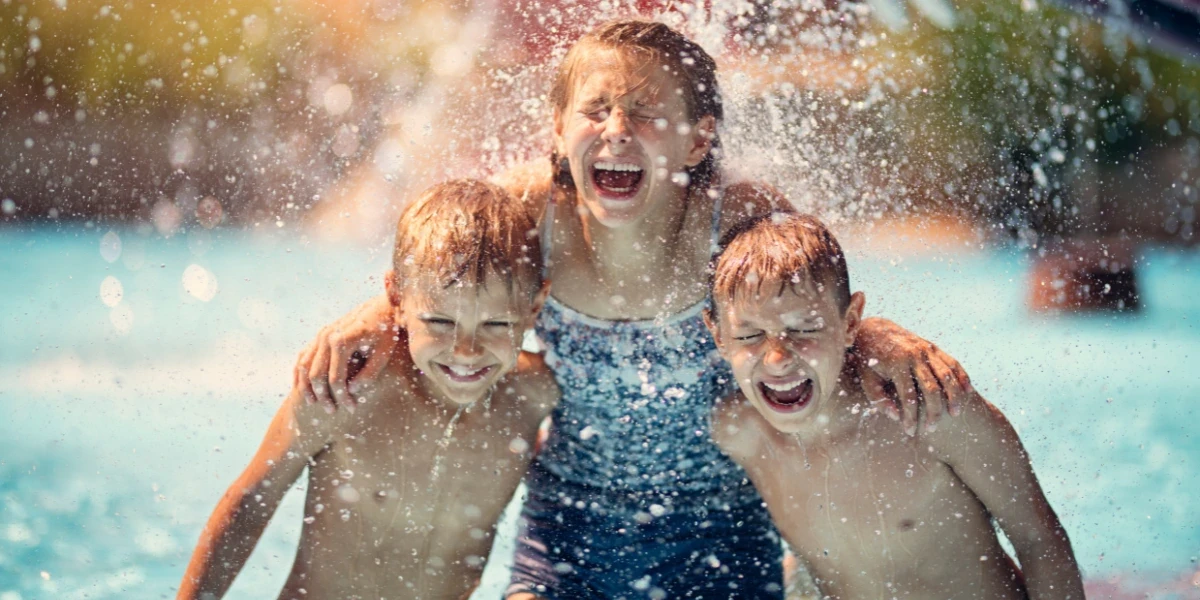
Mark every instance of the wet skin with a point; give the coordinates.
(404, 492)
(413, 533)
(876, 513)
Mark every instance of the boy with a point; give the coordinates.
(404, 492)
(873, 512)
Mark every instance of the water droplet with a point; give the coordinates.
(111, 291)
(110, 247)
(199, 283)
(337, 99)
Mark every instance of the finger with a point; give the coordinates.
(306, 367)
(906, 388)
(339, 370)
(950, 384)
(318, 374)
(931, 394)
(964, 380)
(376, 361)
(300, 375)
(877, 394)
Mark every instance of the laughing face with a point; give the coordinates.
(464, 338)
(787, 349)
(629, 141)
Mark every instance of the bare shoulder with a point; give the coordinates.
(528, 182)
(736, 427)
(532, 385)
(980, 428)
(745, 199)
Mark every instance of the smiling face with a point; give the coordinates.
(463, 338)
(628, 138)
(787, 349)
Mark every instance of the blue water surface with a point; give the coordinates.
(123, 424)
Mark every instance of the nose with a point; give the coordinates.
(779, 356)
(466, 346)
(616, 128)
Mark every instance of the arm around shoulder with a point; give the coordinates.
(535, 384)
(734, 429)
(296, 433)
(983, 449)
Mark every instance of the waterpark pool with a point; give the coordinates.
(140, 379)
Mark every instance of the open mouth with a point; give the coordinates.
(616, 180)
(459, 374)
(787, 397)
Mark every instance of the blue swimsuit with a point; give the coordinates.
(630, 498)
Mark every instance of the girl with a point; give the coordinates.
(629, 497)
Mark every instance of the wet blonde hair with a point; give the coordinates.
(641, 42)
(781, 248)
(463, 230)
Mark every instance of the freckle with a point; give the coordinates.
(906, 524)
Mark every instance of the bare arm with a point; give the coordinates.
(985, 452)
(247, 506)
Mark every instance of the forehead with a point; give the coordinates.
(494, 295)
(613, 75)
(790, 301)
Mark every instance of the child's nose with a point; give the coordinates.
(616, 128)
(467, 346)
(779, 355)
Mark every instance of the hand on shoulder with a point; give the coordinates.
(533, 383)
(736, 427)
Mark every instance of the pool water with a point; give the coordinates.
(141, 378)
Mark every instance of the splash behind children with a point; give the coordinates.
(873, 512)
(404, 491)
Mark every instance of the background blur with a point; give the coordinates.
(189, 190)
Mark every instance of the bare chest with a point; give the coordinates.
(406, 482)
(867, 501)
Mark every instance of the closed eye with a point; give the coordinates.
(499, 324)
(437, 321)
(748, 337)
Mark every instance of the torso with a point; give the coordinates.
(875, 513)
(404, 504)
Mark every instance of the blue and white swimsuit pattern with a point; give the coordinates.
(630, 497)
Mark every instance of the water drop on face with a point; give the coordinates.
(908, 473)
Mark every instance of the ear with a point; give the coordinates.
(535, 307)
(710, 321)
(702, 136)
(853, 316)
(392, 289)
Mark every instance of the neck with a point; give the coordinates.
(837, 415)
(651, 242)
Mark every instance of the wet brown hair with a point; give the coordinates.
(779, 247)
(462, 230)
(647, 42)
